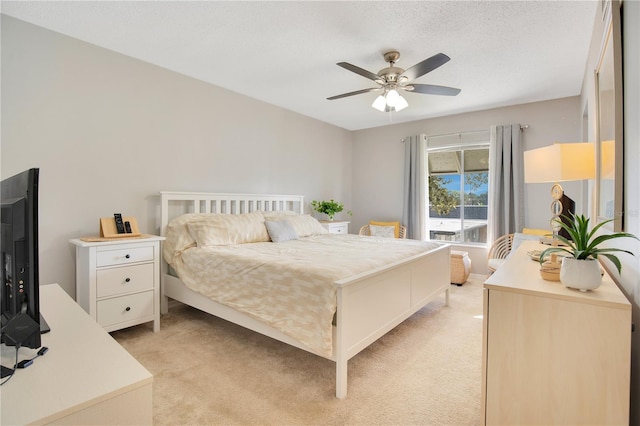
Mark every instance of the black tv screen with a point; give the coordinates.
(19, 296)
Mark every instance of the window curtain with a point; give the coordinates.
(416, 190)
(506, 182)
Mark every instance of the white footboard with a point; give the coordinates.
(371, 304)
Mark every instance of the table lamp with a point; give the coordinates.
(557, 163)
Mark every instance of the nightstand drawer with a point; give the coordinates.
(124, 256)
(125, 308)
(339, 229)
(124, 279)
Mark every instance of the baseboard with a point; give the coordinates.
(479, 277)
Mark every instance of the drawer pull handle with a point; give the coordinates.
(128, 308)
(127, 256)
(126, 280)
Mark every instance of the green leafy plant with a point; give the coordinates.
(330, 208)
(440, 198)
(585, 243)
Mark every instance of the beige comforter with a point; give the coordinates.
(289, 285)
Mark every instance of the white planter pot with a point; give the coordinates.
(580, 274)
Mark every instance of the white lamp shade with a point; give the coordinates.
(380, 103)
(401, 103)
(560, 162)
(392, 97)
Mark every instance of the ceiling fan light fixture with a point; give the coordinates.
(380, 103)
(383, 104)
(401, 103)
(392, 97)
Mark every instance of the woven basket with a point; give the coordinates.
(460, 266)
(550, 270)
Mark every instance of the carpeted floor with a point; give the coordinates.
(427, 371)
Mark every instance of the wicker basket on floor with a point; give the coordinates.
(460, 267)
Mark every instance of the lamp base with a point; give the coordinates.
(550, 241)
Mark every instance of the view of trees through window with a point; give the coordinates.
(458, 194)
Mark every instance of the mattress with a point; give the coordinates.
(289, 285)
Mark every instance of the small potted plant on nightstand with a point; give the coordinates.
(330, 208)
(581, 269)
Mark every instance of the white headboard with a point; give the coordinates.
(174, 204)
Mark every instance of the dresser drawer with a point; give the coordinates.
(124, 256)
(125, 308)
(124, 279)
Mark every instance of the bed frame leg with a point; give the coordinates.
(164, 304)
(341, 379)
(446, 297)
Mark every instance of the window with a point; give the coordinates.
(458, 193)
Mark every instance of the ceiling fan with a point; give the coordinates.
(392, 79)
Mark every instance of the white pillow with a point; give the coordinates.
(280, 230)
(306, 225)
(226, 229)
(177, 235)
(382, 231)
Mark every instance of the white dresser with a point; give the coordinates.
(118, 282)
(86, 377)
(553, 355)
(336, 226)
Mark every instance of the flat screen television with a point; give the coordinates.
(19, 296)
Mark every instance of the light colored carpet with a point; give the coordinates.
(208, 371)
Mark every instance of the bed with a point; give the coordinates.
(362, 306)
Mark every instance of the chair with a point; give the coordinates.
(402, 234)
(498, 252)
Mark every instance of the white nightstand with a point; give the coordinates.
(118, 282)
(336, 226)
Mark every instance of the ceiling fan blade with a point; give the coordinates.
(360, 71)
(430, 89)
(357, 92)
(428, 65)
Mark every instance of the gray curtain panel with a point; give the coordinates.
(506, 189)
(416, 190)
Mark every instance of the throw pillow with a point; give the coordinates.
(396, 225)
(306, 225)
(382, 231)
(280, 230)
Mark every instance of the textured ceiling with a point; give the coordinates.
(285, 53)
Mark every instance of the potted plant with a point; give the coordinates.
(330, 208)
(581, 269)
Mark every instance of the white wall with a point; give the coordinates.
(108, 132)
(378, 161)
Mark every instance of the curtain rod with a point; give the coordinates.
(459, 134)
(523, 127)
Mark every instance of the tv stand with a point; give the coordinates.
(86, 377)
(6, 371)
(44, 326)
